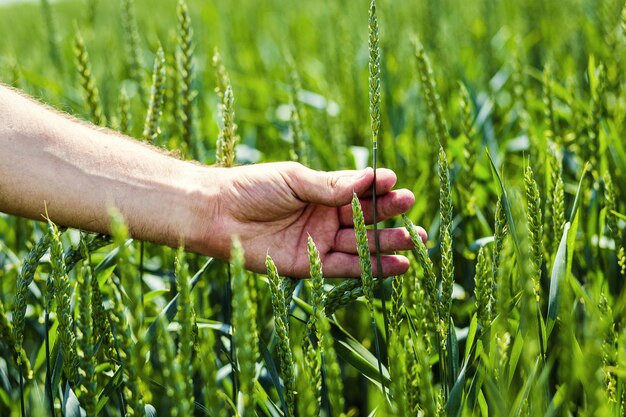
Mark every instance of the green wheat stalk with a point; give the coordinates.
(445, 227)
(615, 233)
(7, 335)
(501, 230)
(367, 279)
(314, 352)
(548, 102)
(395, 312)
(470, 149)
(374, 108)
(134, 61)
(75, 255)
(53, 40)
(343, 294)
(429, 283)
(125, 115)
(245, 333)
(151, 129)
(535, 229)
(172, 372)
(227, 138)
(205, 362)
(421, 382)
(63, 293)
(430, 279)
(100, 319)
(128, 321)
(221, 75)
(311, 392)
(484, 287)
(397, 369)
(433, 101)
(87, 341)
(297, 133)
(374, 74)
(281, 325)
(364, 254)
(307, 380)
(597, 113)
(87, 81)
(288, 286)
(447, 267)
(530, 259)
(609, 349)
(332, 378)
(186, 318)
(555, 208)
(24, 279)
(297, 115)
(185, 69)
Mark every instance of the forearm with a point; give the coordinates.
(76, 173)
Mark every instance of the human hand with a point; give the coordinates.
(272, 208)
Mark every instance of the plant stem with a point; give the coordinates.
(380, 277)
(48, 384)
(22, 407)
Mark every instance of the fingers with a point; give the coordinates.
(390, 240)
(385, 181)
(387, 206)
(335, 188)
(343, 265)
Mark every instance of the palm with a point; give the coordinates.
(272, 208)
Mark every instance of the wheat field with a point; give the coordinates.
(505, 119)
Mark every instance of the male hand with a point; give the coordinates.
(272, 208)
(74, 173)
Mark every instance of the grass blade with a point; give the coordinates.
(505, 203)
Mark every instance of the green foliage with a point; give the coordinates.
(245, 329)
(87, 81)
(515, 306)
(281, 323)
(151, 129)
(185, 68)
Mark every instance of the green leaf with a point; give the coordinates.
(557, 400)
(528, 384)
(471, 336)
(69, 403)
(492, 392)
(453, 405)
(558, 273)
(516, 352)
(564, 258)
(350, 350)
(505, 204)
(578, 191)
(453, 358)
(271, 368)
(111, 259)
(149, 296)
(113, 384)
(169, 312)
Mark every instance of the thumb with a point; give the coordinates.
(332, 189)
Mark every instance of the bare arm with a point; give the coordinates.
(78, 172)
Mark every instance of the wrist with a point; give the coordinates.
(202, 227)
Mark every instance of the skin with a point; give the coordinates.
(76, 172)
